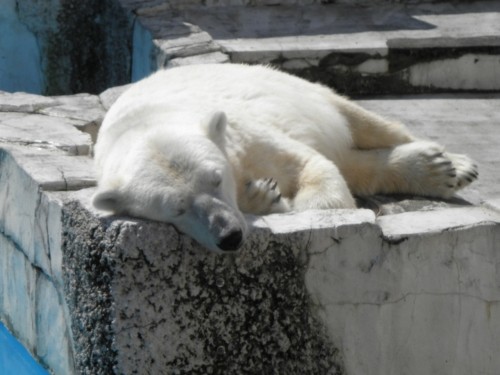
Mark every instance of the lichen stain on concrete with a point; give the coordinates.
(256, 319)
(88, 271)
(247, 313)
(137, 308)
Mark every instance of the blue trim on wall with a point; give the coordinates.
(14, 358)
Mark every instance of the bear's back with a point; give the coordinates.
(252, 96)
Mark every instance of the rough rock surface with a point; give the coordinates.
(189, 311)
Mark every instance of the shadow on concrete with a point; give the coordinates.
(268, 22)
(399, 203)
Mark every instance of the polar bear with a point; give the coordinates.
(197, 146)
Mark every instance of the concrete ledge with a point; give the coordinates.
(323, 292)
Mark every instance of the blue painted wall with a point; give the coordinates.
(14, 358)
(19, 54)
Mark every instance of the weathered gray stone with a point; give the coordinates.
(23, 102)
(31, 299)
(26, 214)
(18, 279)
(195, 44)
(44, 132)
(53, 345)
(83, 112)
(208, 58)
(211, 314)
(109, 96)
(84, 108)
(166, 25)
(365, 50)
(404, 225)
(494, 204)
(467, 72)
(412, 297)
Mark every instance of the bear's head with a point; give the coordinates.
(185, 180)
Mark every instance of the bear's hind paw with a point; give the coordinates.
(427, 169)
(466, 170)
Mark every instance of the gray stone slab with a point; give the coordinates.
(194, 44)
(31, 289)
(392, 308)
(23, 102)
(396, 227)
(207, 58)
(83, 107)
(444, 24)
(51, 170)
(164, 24)
(494, 204)
(26, 214)
(42, 131)
(85, 110)
(109, 96)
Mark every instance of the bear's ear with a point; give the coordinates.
(108, 200)
(216, 127)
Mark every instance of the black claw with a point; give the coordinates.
(445, 163)
(277, 199)
(274, 185)
(450, 186)
(248, 184)
(452, 174)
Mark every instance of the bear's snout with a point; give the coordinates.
(231, 241)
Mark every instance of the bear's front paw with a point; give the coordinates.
(264, 197)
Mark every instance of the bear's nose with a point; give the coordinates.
(231, 241)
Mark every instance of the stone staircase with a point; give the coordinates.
(409, 286)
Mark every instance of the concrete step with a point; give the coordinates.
(383, 48)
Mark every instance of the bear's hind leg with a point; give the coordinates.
(422, 168)
(369, 130)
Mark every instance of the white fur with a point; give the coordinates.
(197, 145)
